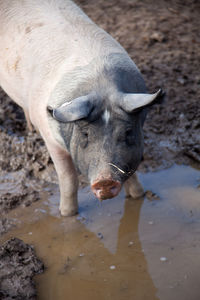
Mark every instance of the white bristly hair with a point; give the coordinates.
(106, 116)
(120, 170)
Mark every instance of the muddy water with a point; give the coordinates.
(120, 249)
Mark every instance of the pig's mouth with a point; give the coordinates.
(106, 188)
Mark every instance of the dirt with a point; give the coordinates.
(163, 39)
(151, 196)
(18, 264)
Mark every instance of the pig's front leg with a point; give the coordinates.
(133, 187)
(68, 180)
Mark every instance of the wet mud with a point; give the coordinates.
(18, 265)
(163, 39)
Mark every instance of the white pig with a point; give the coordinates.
(80, 90)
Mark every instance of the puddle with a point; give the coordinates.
(120, 249)
(170, 228)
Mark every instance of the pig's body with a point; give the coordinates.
(52, 53)
(40, 42)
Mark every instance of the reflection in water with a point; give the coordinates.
(112, 251)
(79, 265)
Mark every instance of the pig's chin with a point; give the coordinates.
(106, 188)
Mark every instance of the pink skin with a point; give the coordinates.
(105, 188)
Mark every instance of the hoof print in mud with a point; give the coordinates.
(18, 265)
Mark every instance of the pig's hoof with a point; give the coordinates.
(133, 187)
(68, 212)
(134, 191)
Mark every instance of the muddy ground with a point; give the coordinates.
(163, 39)
(18, 265)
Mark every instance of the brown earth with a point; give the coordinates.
(163, 39)
(18, 265)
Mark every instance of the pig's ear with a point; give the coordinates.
(133, 102)
(74, 110)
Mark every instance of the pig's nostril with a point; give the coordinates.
(114, 189)
(106, 189)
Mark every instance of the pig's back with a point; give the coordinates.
(41, 40)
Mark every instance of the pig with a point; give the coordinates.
(80, 89)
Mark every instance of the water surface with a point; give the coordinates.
(120, 249)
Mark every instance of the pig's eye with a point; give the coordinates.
(84, 139)
(130, 140)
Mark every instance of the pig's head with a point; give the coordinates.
(105, 138)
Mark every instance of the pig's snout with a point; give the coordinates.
(106, 188)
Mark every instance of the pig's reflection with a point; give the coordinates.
(80, 265)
